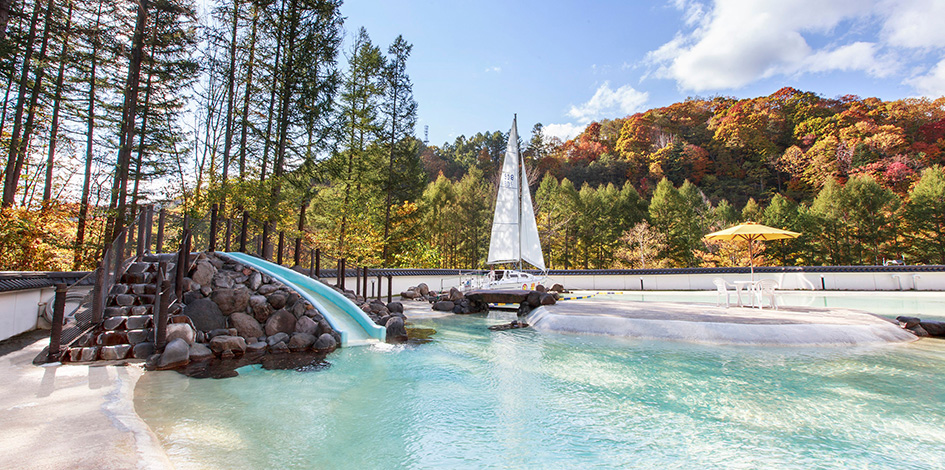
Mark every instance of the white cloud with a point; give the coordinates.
(736, 42)
(495, 69)
(914, 23)
(607, 103)
(931, 84)
(563, 131)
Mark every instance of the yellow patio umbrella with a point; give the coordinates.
(750, 231)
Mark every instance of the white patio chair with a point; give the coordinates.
(723, 291)
(767, 288)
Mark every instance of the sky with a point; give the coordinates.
(565, 63)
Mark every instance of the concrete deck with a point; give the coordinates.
(57, 417)
(702, 323)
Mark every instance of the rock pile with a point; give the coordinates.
(231, 310)
(921, 328)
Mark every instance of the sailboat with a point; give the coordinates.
(514, 230)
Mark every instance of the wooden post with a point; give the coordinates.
(390, 287)
(311, 267)
(148, 225)
(119, 252)
(318, 263)
(378, 287)
(160, 235)
(98, 294)
(183, 258)
(364, 279)
(357, 281)
(281, 247)
(213, 228)
(139, 246)
(298, 240)
(160, 330)
(341, 274)
(55, 336)
(227, 233)
(265, 241)
(298, 251)
(243, 232)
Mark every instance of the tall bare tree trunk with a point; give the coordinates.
(129, 113)
(230, 83)
(57, 103)
(11, 177)
(90, 131)
(250, 63)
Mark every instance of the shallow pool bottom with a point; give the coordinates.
(522, 399)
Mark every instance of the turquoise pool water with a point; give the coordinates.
(472, 398)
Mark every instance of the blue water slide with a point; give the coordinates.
(342, 314)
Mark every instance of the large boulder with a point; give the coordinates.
(176, 354)
(223, 343)
(548, 299)
(246, 326)
(203, 273)
(231, 300)
(277, 299)
(533, 299)
(443, 306)
(199, 352)
(182, 331)
(934, 328)
(558, 288)
(254, 281)
(301, 341)
(325, 342)
(306, 325)
(409, 294)
(423, 289)
(396, 333)
(280, 322)
(455, 295)
(277, 338)
(395, 307)
(259, 305)
(205, 314)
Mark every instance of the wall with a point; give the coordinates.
(20, 309)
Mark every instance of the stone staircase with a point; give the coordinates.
(127, 331)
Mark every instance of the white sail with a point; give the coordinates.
(530, 244)
(504, 244)
(514, 231)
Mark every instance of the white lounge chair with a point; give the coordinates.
(723, 291)
(767, 288)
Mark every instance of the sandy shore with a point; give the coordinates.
(59, 417)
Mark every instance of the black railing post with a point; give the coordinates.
(98, 293)
(265, 241)
(318, 263)
(213, 228)
(228, 233)
(55, 336)
(390, 287)
(160, 234)
(281, 247)
(139, 250)
(119, 252)
(160, 329)
(243, 231)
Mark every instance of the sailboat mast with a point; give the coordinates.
(521, 185)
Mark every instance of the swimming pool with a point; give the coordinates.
(522, 399)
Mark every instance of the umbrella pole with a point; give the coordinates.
(751, 260)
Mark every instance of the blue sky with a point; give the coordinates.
(565, 63)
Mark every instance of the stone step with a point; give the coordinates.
(137, 278)
(139, 289)
(140, 267)
(138, 322)
(115, 353)
(158, 257)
